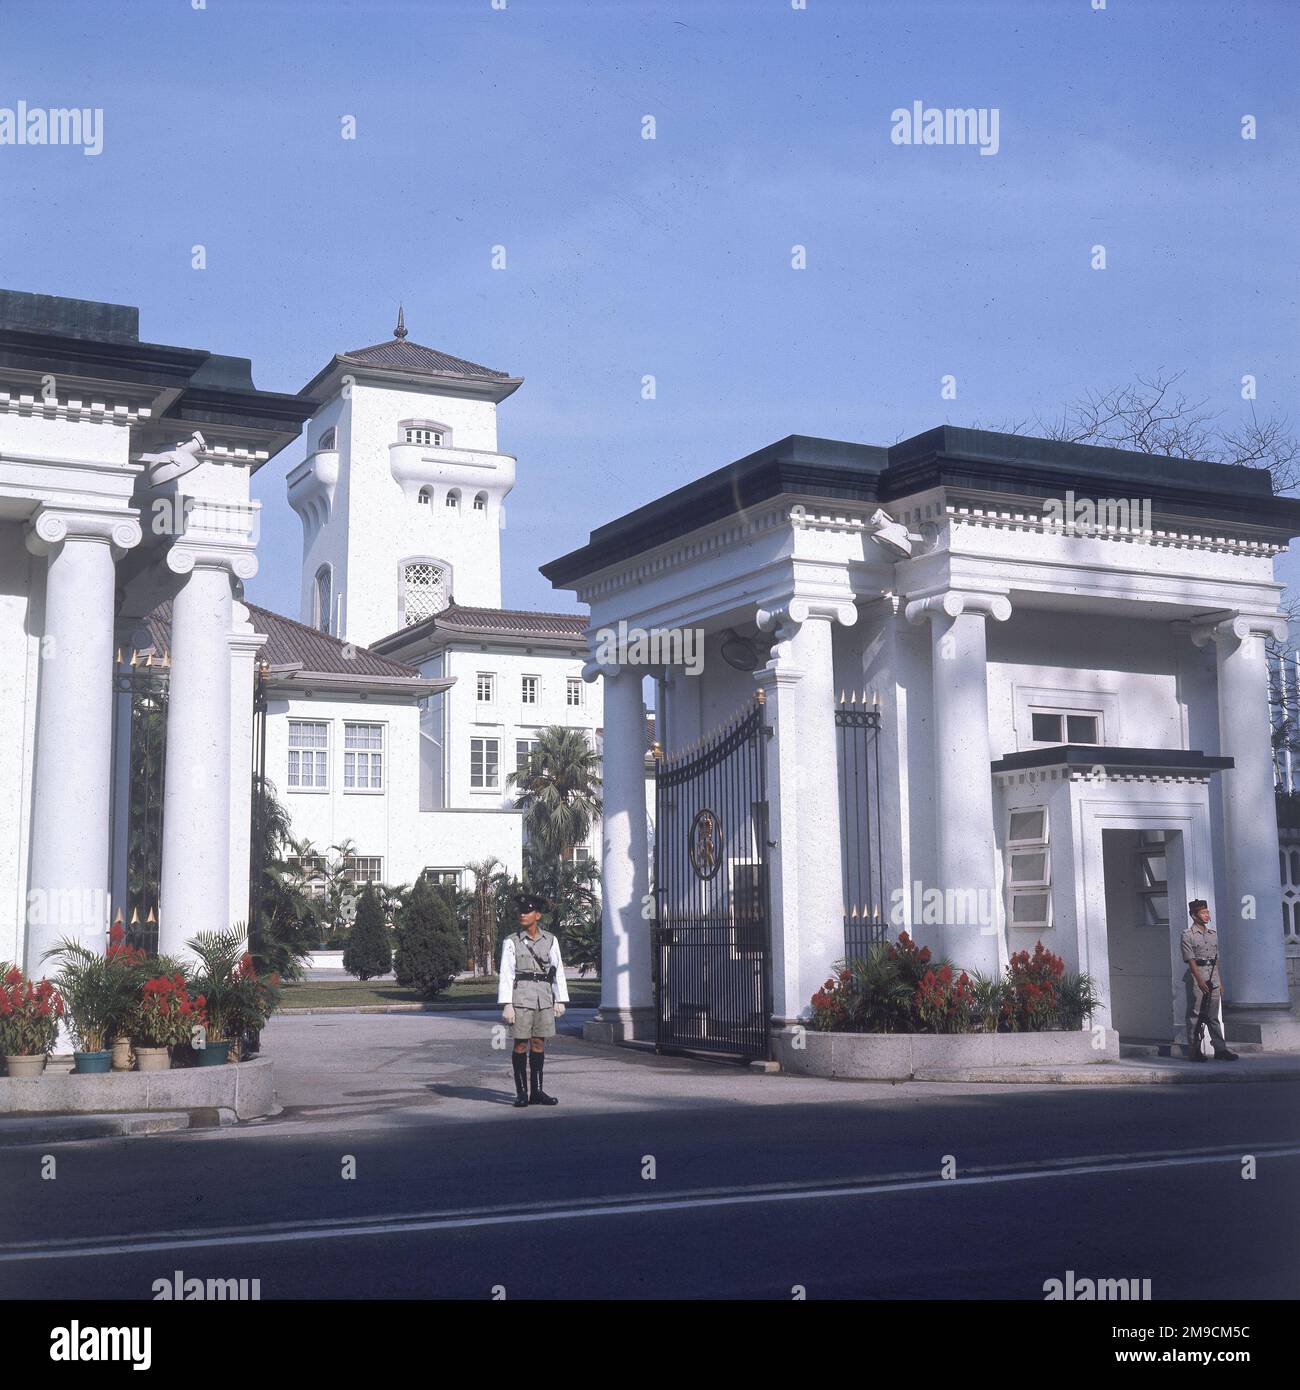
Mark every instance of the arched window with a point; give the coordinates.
(480, 502)
(424, 591)
(323, 600)
(328, 438)
(453, 498)
(426, 496)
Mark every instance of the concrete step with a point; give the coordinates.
(55, 1129)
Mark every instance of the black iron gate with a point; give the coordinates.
(140, 688)
(259, 836)
(712, 935)
(857, 729)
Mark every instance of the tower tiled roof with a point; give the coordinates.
(412, 357)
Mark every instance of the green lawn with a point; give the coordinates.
(352, 994)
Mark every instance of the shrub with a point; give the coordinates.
(429, 949)
(902, 988)
(1031, 1004)
(91, 986)
(167, 1016)
(942, 1002)
(29, 1015)
(127, 968)
(369, 951)
(1077, 997)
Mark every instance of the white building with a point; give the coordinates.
(124, 471)
(401, 498)
(1057, 725)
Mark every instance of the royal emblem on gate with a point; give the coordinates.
(704, 843)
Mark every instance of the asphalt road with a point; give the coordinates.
(842, 1197)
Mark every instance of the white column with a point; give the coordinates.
(71, 793)
(626, 993)
(195, 888)
(966, 844)
(245, 644)
(1249, 912)
(805, 864)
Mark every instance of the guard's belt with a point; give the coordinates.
(546, 979)
(1199, 961)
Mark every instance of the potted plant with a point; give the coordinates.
(86, 981)
(127, 969)
(165, 1017)
(29, 1022)
(218, 977)
(254, 999)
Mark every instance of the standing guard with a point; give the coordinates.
(1200, 946)
(534, 991)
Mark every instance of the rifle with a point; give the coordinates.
(1203, 1015)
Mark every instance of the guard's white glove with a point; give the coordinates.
(559, 1010)
(508, 1013)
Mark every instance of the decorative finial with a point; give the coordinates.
(400, 330)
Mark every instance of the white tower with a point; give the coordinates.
(401, 491)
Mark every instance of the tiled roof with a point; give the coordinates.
(411, 357)
(291, 644)
(492, 622)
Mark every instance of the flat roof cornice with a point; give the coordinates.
(978, 462)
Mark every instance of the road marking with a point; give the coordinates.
(346, 1228)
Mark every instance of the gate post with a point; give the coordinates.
(626, 1010)
(803, 801)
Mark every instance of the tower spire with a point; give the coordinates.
(400, 330)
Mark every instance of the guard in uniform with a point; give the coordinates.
(534, 992)
(1200, 945)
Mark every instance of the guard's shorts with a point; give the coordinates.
(534, 1023)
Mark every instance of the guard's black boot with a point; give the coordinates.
(1226, 1055)
(520, 1060)
(536, 1095)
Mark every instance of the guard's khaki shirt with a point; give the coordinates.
(517, 954)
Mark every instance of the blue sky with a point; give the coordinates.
(626, 257)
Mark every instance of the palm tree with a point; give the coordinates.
(558, 791)
(490, 879)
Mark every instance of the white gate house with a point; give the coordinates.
(1066, 649)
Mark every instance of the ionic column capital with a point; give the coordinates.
(952, 603)
(52, 525)
(1232, 628)
(185, 557)
(789, 614)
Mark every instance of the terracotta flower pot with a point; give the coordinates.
(153, 1058)
(25, 1066)
(122, 1059)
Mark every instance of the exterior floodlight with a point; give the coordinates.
(892, 536)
